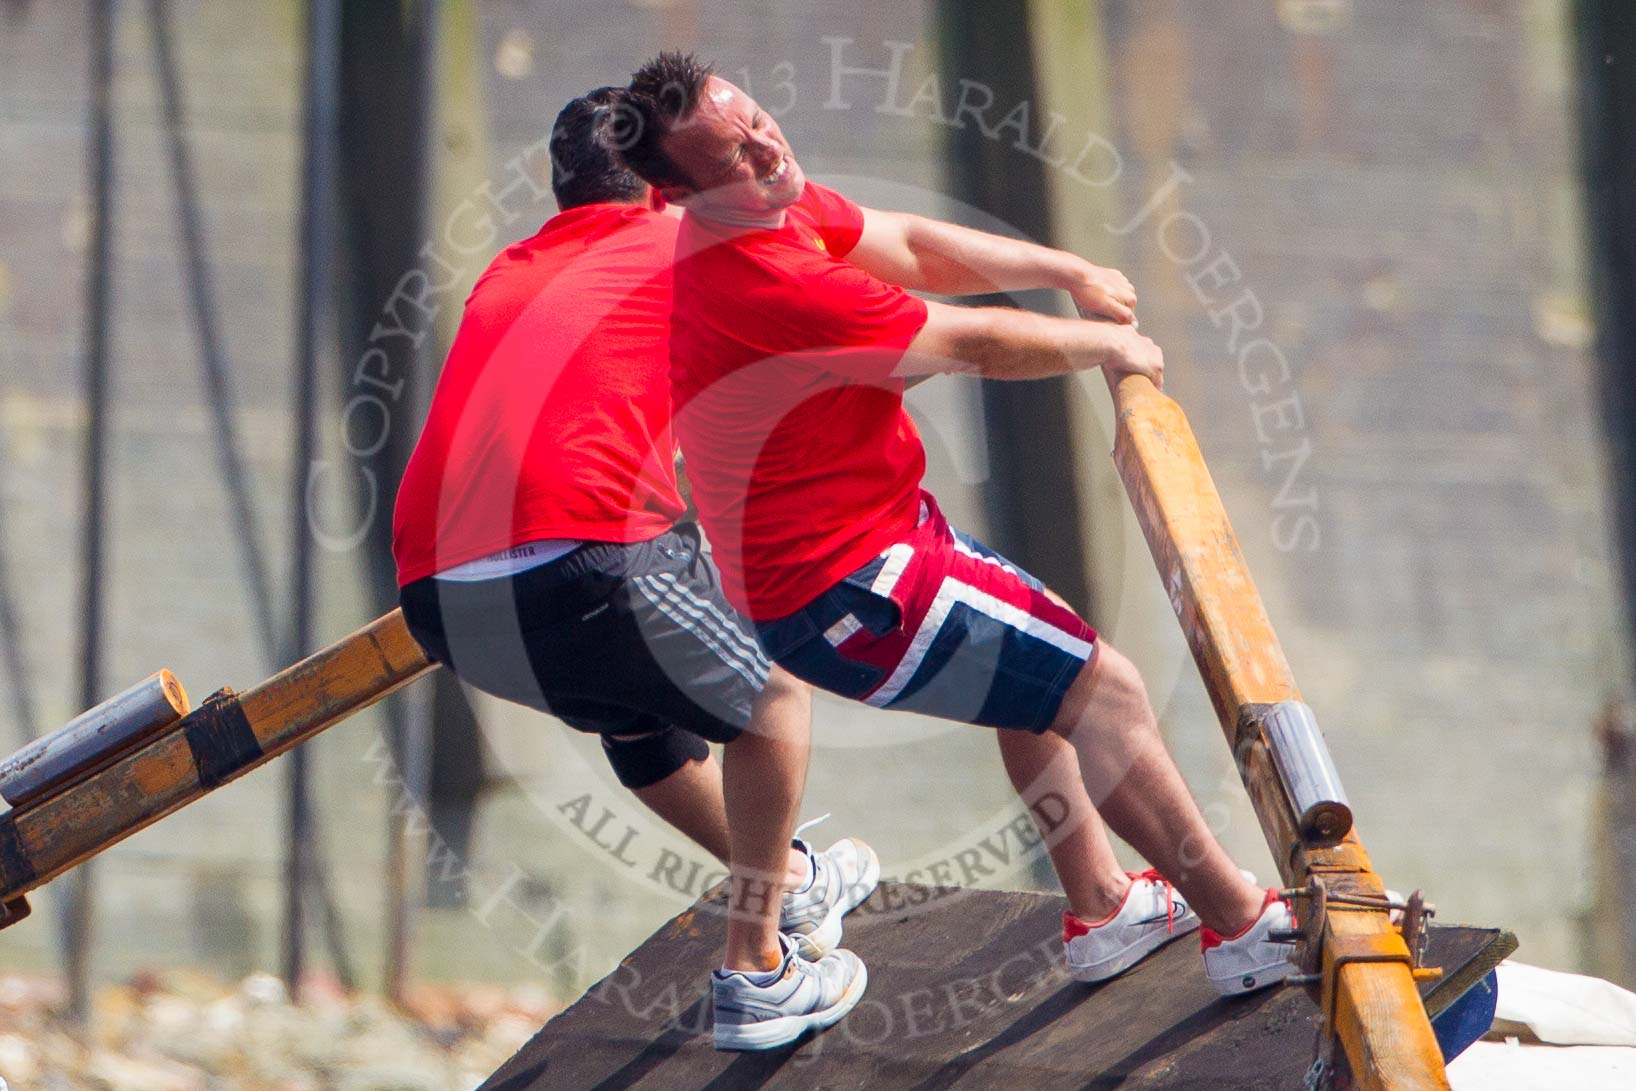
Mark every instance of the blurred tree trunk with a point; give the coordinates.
(1610, 934)
(1033, 500)
(1033, 503)
(78, 890)
(1607, 62)
(387, 145)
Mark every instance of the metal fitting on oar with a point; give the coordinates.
(1305, 769)
(132, 773)
(93, 739)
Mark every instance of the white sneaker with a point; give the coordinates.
(1150, 916)
(1251, 960)
(805, 996)
(843, 877)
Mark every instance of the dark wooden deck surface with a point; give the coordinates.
(965, 990)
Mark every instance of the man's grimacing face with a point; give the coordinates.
(734, 154)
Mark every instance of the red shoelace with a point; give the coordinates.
(1073, 926)
(1170, 895)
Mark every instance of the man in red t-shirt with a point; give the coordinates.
(542, 557)
(792, 342)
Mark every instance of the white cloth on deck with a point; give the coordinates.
(1566, 1009)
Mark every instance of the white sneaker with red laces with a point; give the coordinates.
(1252, 959)
(1151, 915)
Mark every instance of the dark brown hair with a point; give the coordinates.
(584, 168)
(662, 93)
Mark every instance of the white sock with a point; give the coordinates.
(757, 977)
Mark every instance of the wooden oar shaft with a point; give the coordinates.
(1378, 1013)
(224, 738)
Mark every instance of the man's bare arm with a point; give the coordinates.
(1002, 343)
(932, 256)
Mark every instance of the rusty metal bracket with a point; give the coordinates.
(1318, 901)
(1322, 954)
(220, 737)
(1342, 950)
(1338, 952)
(1415, 927)
(1311, 921)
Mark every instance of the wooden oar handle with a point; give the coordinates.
(1133, 393)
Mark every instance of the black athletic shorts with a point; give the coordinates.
(633, 642)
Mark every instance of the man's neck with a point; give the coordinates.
(770, 220)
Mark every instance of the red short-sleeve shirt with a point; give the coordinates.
(803, 462)
(551, 417)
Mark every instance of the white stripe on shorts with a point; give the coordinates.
(733, 639)
(897, 560)
(962, 547)
(693, 621)
(951, 592)
(728, 627)
(840, 632)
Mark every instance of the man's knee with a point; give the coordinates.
(784, 689)
(1058, 599)
(1108, 693)
(782, 712)
(1118, 675)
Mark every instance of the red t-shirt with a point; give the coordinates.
(551, 418)
(803, 462)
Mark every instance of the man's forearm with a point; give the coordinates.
(1002, 343)
(932, 256)
(955, 260)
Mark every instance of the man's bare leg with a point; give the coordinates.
(691, 800)
(1046, 767)
(764, 778)
(1125, 768)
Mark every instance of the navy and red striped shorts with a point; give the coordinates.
(942, 625)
